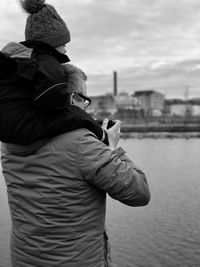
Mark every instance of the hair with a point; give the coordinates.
(73, 76)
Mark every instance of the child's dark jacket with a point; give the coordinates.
(33, 97)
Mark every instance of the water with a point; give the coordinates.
(166, 232)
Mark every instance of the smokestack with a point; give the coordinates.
(115, 82)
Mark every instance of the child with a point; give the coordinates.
(33, 97)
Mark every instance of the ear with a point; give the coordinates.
(71, 99)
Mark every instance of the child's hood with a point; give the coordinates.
(16, 58)
(17, 50)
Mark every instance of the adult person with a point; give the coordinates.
(57, 192)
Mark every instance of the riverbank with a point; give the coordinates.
(160, 131)
(157, 135)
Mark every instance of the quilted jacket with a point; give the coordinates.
(57, 197)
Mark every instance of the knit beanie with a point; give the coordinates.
(44, 24)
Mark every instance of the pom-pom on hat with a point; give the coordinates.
(44, 24)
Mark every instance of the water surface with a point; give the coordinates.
(164, 233)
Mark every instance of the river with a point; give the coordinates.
(166, 233)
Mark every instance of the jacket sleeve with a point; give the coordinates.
(113, 172)
(50, 85)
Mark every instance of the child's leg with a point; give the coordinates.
(24, 125)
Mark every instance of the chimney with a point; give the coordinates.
(115, 83)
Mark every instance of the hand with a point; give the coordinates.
(113, 133)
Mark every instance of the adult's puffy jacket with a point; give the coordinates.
(33, 96)
(57, 198)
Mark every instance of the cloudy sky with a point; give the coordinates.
(152, 44)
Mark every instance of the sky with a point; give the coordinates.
(152, 44)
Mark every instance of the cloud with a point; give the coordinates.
(169, 79)
(12, 22)
(136, 32)
(149, 42)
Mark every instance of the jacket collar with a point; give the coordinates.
(41, 47)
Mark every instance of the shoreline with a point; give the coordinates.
(160, 131)
(160, 135)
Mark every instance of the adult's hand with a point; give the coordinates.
(113, 133)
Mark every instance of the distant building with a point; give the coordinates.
(195, 110)
(178, 107)
(152, 102)
(104, 104)
(195, 103)
(125, 101)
